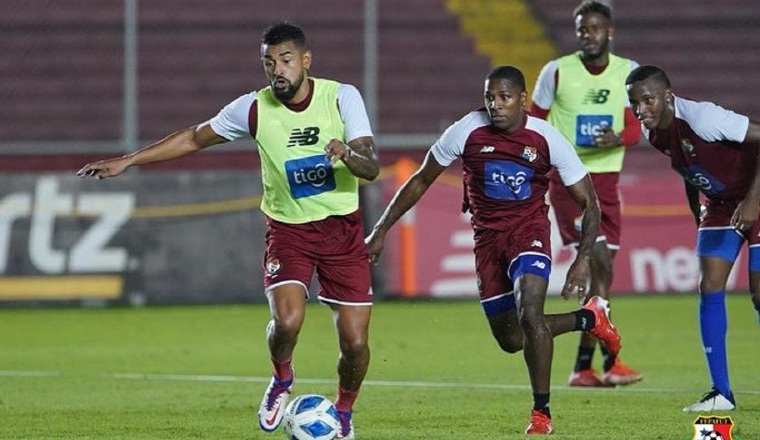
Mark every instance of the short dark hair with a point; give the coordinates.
(587, 6)
(284, 32)
(509, 73)
(648, 71)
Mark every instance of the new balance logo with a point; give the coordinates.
(487, 149)
(594, 96)
(539, 264)
(303, 137)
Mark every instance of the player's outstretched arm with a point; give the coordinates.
(577, 276)
(406, 197)
(748, 210)
(178, 144)
(359, 156)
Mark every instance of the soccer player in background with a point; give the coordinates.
(506, 156)
(315, 141)
(715, 150)
(582, 94)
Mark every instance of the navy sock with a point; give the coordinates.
(584, 358)
(584, 320)
(713, 326)
(757, 307)
(609, 358)
(541, 403)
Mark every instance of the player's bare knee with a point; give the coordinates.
(531, 320)
(709, 284)
(511, 343)
(601, 263)
(288, 325)
(353, 346)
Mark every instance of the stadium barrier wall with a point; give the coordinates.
(196, 236)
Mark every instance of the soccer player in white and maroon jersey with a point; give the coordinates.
(715, 150)
(507, 156)
(583, 95)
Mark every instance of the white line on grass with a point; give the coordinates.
(377, 383)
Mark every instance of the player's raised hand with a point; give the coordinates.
(105, 168)
(745, 215)
(577, 280)
(337, 150)
(375, 243)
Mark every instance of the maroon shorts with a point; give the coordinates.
(496, 253)
(334, 247)
(568, 212)
(718, 216)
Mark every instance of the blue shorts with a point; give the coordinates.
(725, 243)
(533, 263)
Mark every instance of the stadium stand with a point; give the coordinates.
(63, 66)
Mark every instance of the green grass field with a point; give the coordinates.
(199, 372)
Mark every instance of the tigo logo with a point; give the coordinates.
(310, 176)
(587, 127)
(507, 180)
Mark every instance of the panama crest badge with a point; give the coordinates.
(530, 153)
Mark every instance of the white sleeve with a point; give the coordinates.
(714, 123)
(564, 158)
(353, 112)
(231, 122)
(543, 93)
(451, 144)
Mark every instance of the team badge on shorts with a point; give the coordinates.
(530, 153)
(273, 266)
(713, 428)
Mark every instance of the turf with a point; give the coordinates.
(199, 372)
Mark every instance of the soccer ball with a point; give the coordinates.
(311, 417)
(712, 436)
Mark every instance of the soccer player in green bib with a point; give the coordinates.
(583, 95)
(315, 142)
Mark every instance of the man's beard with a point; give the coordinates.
(286, 94)
(603, 49)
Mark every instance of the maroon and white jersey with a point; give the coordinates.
(704, 143)
(506, 174)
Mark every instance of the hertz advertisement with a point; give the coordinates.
(164, 237)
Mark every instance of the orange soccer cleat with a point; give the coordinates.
(585, 378)
(621, 374)
(540, 424)
(603, 327)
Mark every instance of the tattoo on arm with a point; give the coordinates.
(362, 160)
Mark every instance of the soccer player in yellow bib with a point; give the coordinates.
(583, 95)
(315, 142)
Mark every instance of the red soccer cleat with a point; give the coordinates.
(621, 374)
(540, 424)
(585, 378)
(603, 328)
